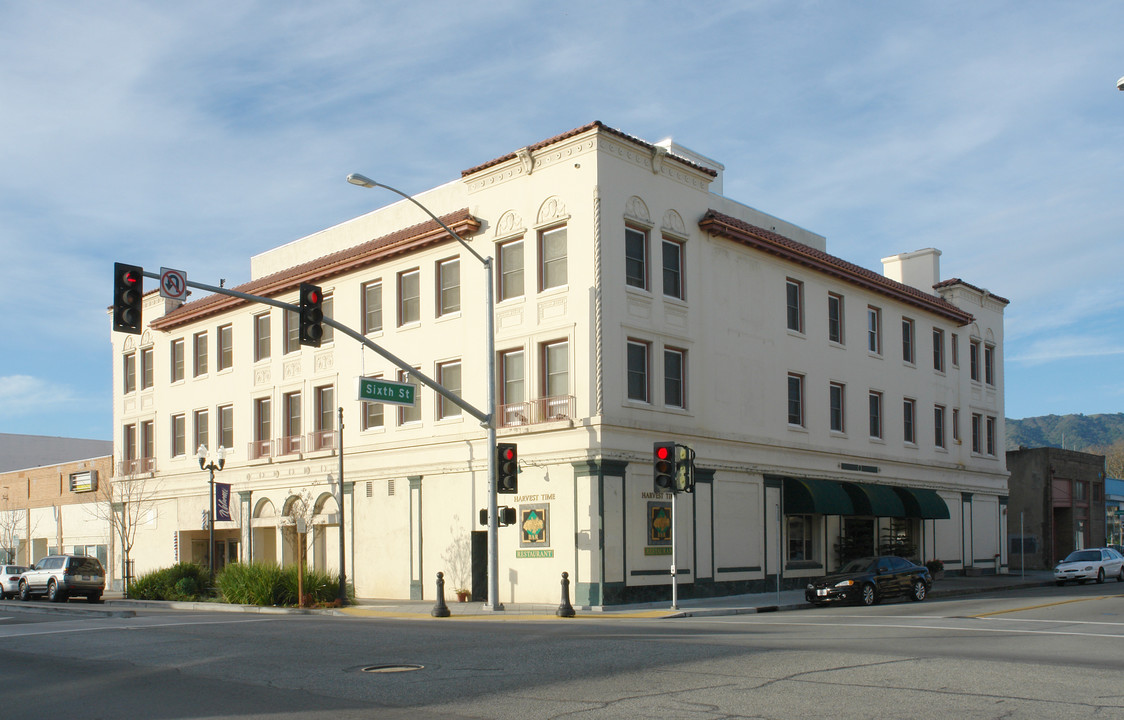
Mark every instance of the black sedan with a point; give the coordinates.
(867, 580)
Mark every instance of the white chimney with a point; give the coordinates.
(920, 269)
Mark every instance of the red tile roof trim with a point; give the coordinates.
(347, 260)
(578, 131)
(952, 282)
(767, 241)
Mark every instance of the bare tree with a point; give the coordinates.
(124, 505)
(10, 521)
(458, 557)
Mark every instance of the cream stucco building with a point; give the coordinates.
(634, 304)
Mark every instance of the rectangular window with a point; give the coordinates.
(263, 428)
(409, 297)
(226, 426)
(909, 417)
(291, 407)
(148, 440)
(954, 349)
(512, 388)
(261, 337)
(177, 359)
(200, 429)
(448, 286)
(796, 400)
(409, 413)
(636, 258)
(372, 307)
(908, 351)
(938, 349)
(874, 330)
(674, 377)
(324, 432)
(974, 359)
(794, 303)
(977, 433)
(129, 372)
(836, 397)
(129, 440)
(179, 435)
(673, 269)
(990, 435)
(956, 424)
(199, 343)
(511, 270)
(292, 331)
(328, 307)
(989, 364)
(876, 415)
(449, 376)
(226, 347)
(146, 368)
(371, 412)
(938, 426)
(800, 543)
(638, 370)
(552, 251)
(556, 369)
(835, 318)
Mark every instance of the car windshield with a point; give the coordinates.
(1083, 556)
(857, 565)
(84, 566)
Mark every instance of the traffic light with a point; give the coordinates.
(506, 515)
(507, 468)
(663, 463)
(128, 282)
(311, 314)
(684, 469)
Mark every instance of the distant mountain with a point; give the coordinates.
(1077, 432)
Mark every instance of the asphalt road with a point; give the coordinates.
(1037, 653)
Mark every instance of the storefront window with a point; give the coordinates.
(799, 538)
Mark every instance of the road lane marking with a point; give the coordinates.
(936, 627)
(62, 631)
(1043, 605)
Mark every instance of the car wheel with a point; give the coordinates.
(917, 592)
(93, 598)
(25, 591)
(1100, 576)
(1120, 577)
(53, 594)
(869, 595)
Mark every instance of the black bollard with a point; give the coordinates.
(440, 609)
(565, 609)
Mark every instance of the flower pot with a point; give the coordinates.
(463, 595)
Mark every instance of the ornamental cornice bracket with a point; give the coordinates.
(526, 159)
(658, 155)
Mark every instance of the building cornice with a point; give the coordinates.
(406, 240)
(739, 231)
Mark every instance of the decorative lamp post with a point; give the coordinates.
(211, 465)
(490, 347)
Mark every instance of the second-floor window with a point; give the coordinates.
(129, 372)
(325, 417)
(989, 426)
(179, 435)
(836, 397)
(875, 402)
(938, 426)
(637, 371)
(673, 269)
(874, 330)
(796, 399)
(262, 420)
(909, 420)
(556, 369)
(511, 270)
(291, 406)
(200, 434)
(977, 433)
(292, 331)
(372, 307)
(938, 349)
(226, 347)
(974, 359)
(512, 377)
(674, 378)
(226, 426)
(409, 413)
(989, 364)
(835, 318)
(146, 368)
(449, 376)
(909, 353)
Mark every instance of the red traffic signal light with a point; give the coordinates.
(507, 468)
(311, 314)
(128, 294)
(663, 466)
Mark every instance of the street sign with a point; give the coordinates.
(173, 284)
(386, 391)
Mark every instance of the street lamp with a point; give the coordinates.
(493, 504)
(1120, 84)
(211, 466)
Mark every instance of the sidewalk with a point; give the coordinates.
(693, 607)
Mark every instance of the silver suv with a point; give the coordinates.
(60, 576)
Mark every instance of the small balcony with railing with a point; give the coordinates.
(136, 466)
(536, 412)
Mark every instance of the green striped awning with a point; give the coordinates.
(876, 500)
(806, 496)
(923, 503)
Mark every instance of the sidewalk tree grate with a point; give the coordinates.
(392, 668)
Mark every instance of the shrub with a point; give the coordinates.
(182, 581)
(267, 584)
(935, 566)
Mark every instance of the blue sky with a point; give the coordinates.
(194, 135)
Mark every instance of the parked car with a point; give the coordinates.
(1090, 564)
(10, 580)
(870, 579)
(60, 576)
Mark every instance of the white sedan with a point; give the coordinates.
(1091, 564)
